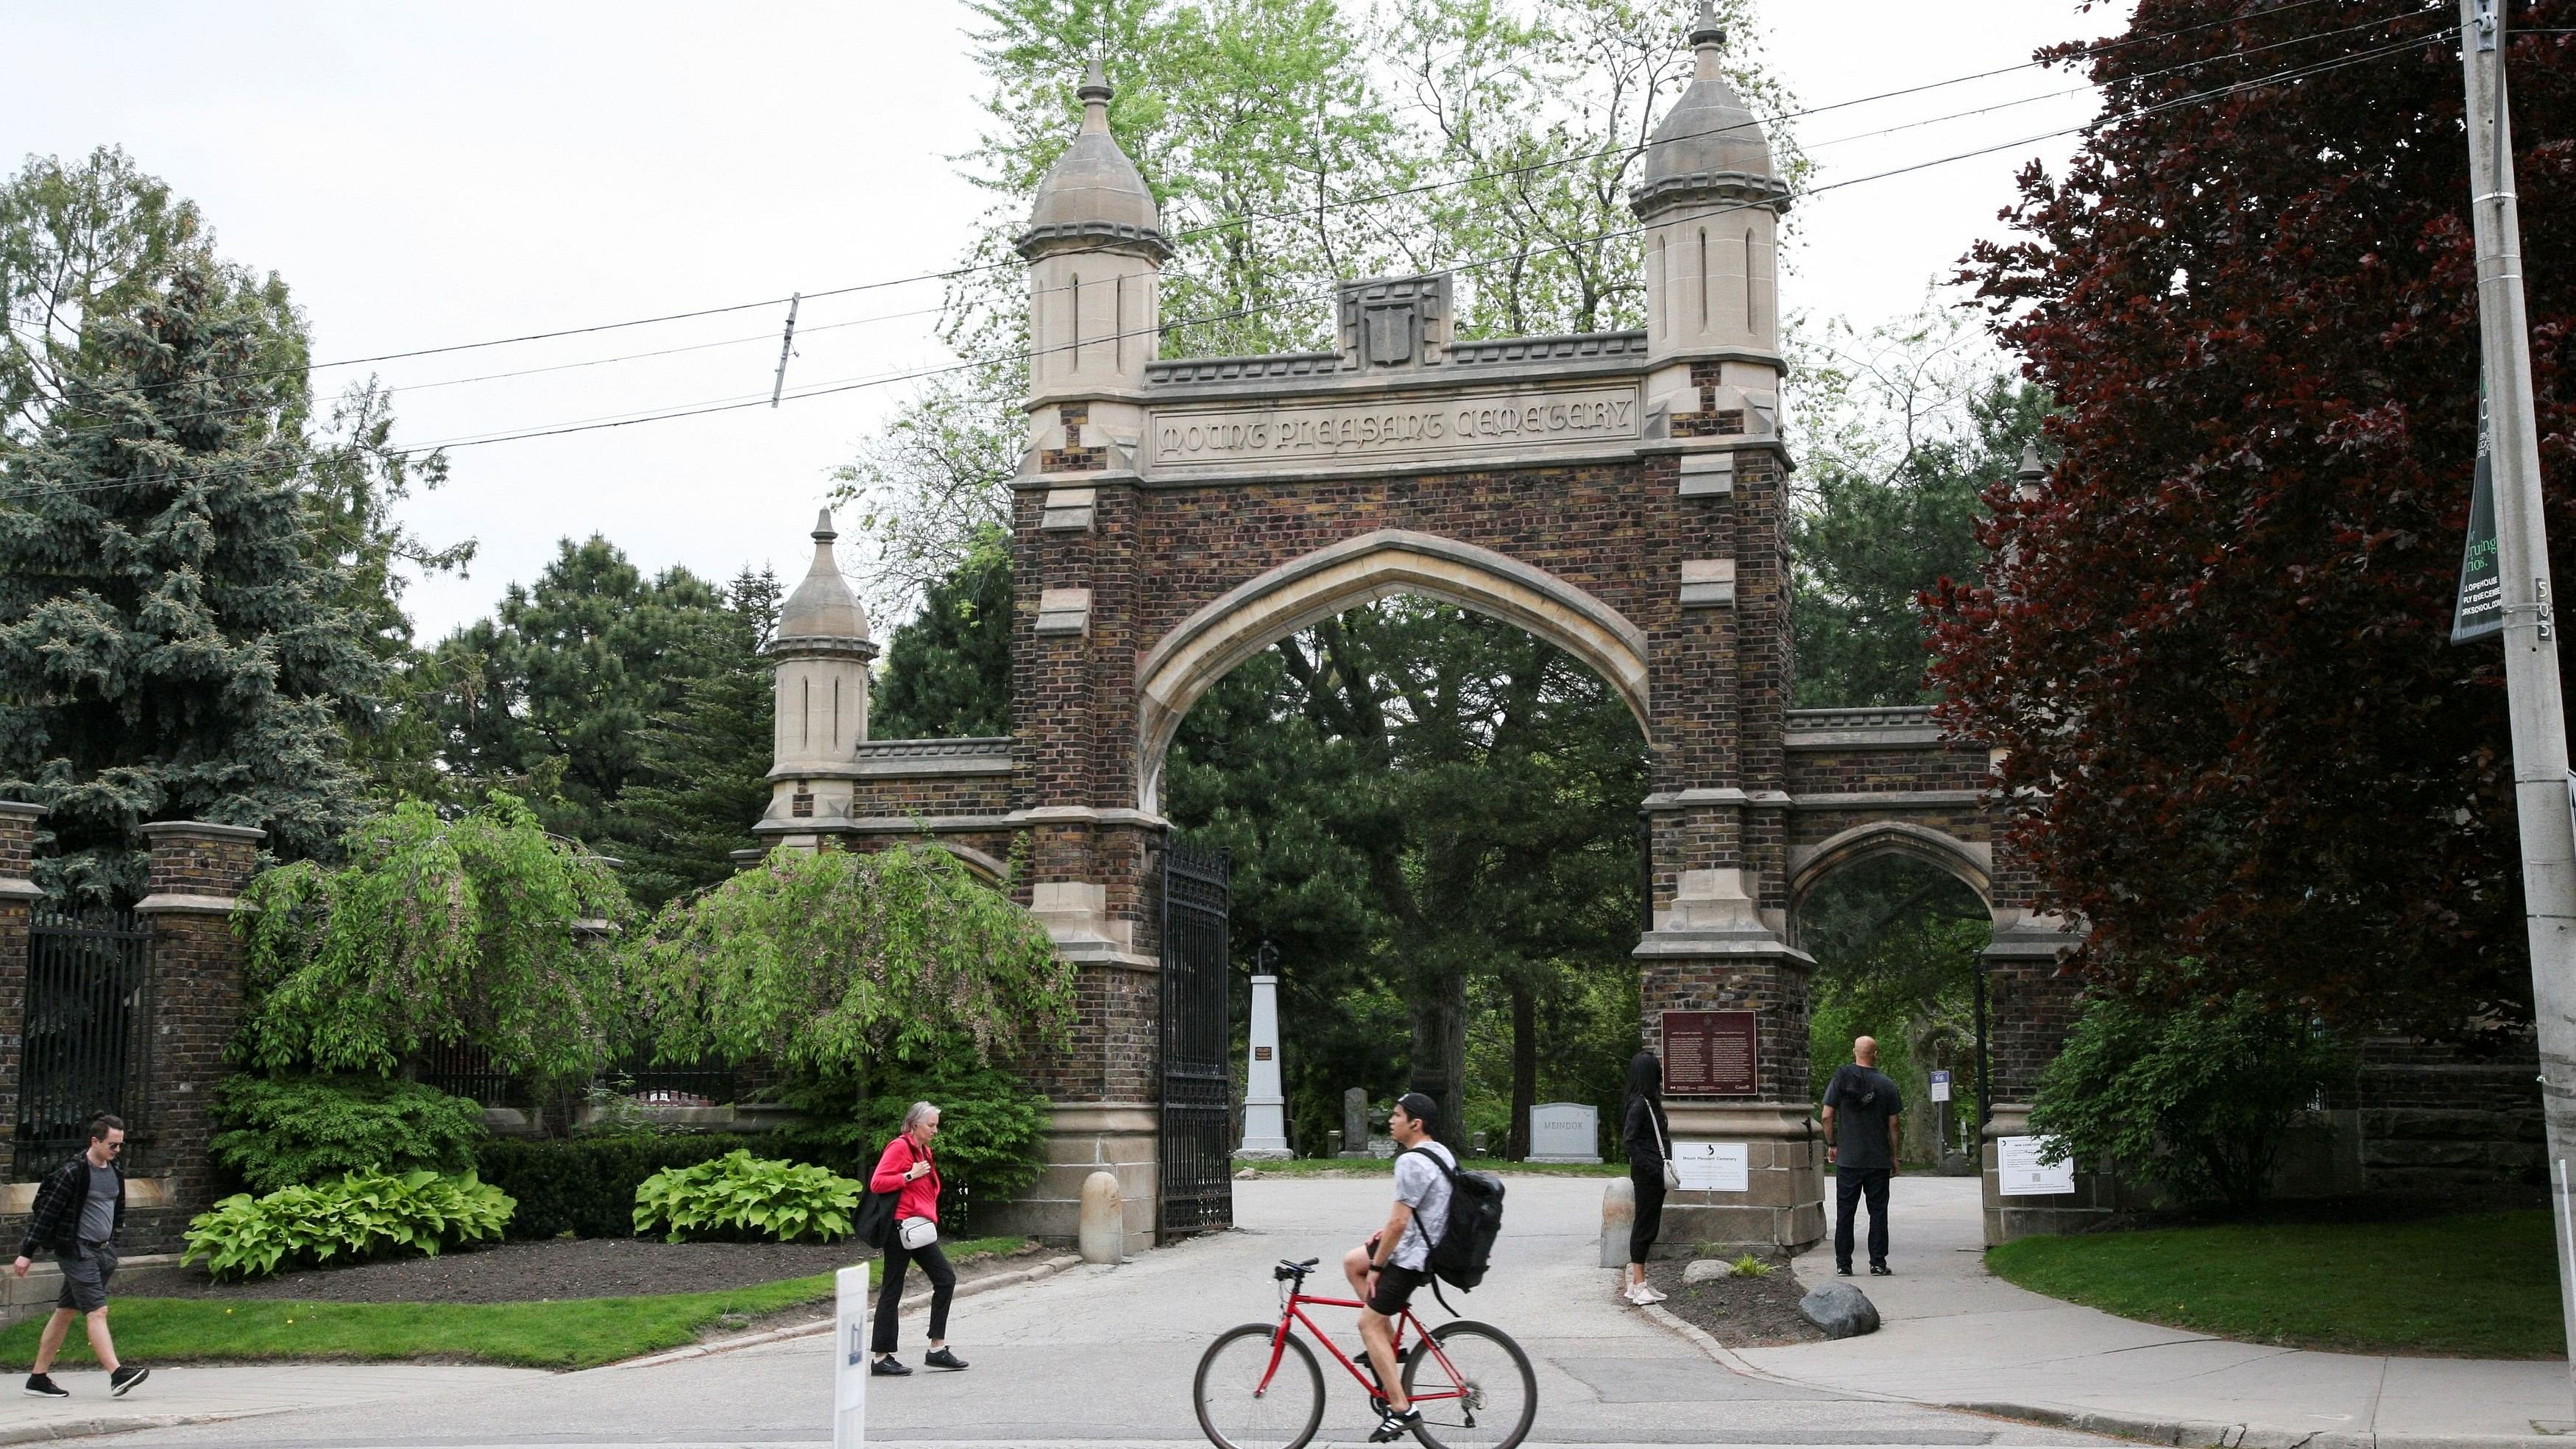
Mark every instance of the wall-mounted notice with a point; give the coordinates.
(2020, 1173)
(1710, 1054)
(1713, 1166)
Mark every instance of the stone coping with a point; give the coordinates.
(17, 1199)
(205, 829)
(177, 903)
(20, 807)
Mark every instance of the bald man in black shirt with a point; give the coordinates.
(1862, 1107)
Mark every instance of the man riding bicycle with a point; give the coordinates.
(1391, 1265)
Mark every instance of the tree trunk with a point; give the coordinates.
(1440, 1053)
(1524, 1071)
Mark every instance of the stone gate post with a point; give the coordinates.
(196, 873)
(18, 897)
(2031, 1008)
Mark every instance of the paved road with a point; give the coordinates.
(1102, 1356)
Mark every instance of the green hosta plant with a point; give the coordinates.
(739, 1195)
(363, 1215)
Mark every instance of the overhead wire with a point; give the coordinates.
(740, 401)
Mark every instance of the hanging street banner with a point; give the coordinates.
(2479, 611)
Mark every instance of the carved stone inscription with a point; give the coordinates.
(1394, 430)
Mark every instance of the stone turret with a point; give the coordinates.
(1711, 201)
(1095, 249)
(821, 653)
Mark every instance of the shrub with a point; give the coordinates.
(363, 1215)
(586, 1186)
(2196, 1100)
(742, 1196)
(284, 1131)
(992, 1127)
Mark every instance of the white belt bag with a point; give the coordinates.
(916, 1234)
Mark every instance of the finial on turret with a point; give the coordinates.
(1095, 93)
(823, 530)
(1705, 30)
(2032, 473)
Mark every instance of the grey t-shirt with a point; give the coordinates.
(98, 1210)
(1863, 1100)
(1425, 1189)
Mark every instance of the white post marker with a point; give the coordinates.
(850, 1361)
(1265, 1106)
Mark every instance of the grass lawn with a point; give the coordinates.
(566, 1334)
(2483, 1285)
(1318, 1166)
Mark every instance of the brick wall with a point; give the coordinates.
(196, 871)
(18, 900)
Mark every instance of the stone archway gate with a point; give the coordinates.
(1619, 494)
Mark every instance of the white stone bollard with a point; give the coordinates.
(1104, 1219)
(1618, 1214)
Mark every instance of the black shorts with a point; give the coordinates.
(1395, 1289)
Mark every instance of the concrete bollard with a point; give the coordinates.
(1103, 1237)
(1618, 1215)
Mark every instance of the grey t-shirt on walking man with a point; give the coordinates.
(98, 1210)
(1425, 1189)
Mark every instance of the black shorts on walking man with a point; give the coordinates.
(1862, 1107)
(78, 1212)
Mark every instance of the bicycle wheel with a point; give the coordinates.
(1237, 1412)
(1476, 1392)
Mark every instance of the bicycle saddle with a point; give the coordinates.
(1288, 1269)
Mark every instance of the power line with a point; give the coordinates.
(1368, 199)
(741, 401)
(1365, 199)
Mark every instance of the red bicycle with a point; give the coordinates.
(1259, 1386)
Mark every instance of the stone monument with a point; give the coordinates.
(1565, 1132)
(1355, 1123)
(1265, 1108)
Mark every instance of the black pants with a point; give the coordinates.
(1649, 1223)
(1851, 1184)
(943, 1287)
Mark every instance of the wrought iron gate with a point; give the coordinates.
(85, 1044)
(1195, 1166)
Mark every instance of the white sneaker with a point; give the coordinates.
(1646, 1293)
(1635, 1294)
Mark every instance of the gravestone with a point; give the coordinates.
(1355, 1133)
(1565, 1132)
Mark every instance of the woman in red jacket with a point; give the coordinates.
(909, 1170)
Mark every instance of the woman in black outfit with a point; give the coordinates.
(1644, 1134)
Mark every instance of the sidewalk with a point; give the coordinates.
(182, 1394)
(1957, 1336)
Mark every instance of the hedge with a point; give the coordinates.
(586, 1186)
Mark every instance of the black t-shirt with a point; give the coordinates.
(1863, 1100)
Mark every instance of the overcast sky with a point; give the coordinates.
(441, 174)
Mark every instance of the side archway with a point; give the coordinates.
(1203, 648)
(1971, 862)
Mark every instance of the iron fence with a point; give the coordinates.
(86, 1038)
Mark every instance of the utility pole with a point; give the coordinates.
(2541, 795)
(786, 344)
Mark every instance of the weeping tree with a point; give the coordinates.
(872, 980)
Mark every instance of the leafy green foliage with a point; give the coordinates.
(360, 1216)
(436, 931)
(283, 1131)
(2195, 1100)
(585, 1186)
(741, 1196)
(826, 962)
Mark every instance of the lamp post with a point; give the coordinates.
(1265, 1107)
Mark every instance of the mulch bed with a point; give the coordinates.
(522, 1272)
(1738, 1312)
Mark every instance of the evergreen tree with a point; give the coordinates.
(706, 758)
(948, 669)
(172, 647)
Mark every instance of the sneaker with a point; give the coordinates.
(1881, 1270)
(126, 1378)
(1842, 1270)
(888, 1367)
(42, 1386)
(1392, 1426)
(940, 1358)
(1647, 1293)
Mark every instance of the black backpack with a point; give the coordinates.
(1466, 1244)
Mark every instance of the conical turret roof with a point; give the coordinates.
(823, 606)
(1709, 146)
(1093, 192)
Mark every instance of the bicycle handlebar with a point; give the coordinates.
(1289, 1270)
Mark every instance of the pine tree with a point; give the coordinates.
(707, 755)
(169, 646)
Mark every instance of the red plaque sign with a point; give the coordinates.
(1710, 1054)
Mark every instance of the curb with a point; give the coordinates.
(2209, 1434)
(123, 1424)
(1034, 1273)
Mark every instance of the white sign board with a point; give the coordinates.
(1713, 1166)
(850, 1358)
(1565, 1132)
(1940, 1086)
(2020, 1173)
